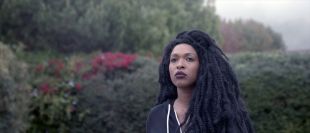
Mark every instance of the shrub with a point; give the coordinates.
(57, 83)
(113, 92)
(119, 103)
(54, 97)
(13, 92)
(276, 88)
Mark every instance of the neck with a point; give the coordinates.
(181, 104)
(184, 97)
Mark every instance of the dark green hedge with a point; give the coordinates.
(119, 104)
(276, 88)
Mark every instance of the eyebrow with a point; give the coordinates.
(186, 54)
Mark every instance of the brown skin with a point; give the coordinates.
(183, 59)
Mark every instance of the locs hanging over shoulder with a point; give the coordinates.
(216, 105)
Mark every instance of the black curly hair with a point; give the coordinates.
(216, 105)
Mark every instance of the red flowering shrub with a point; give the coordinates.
(77, 67)
(45, 88)
(111, 61)
(121, 99)
(54, 97)
(56, 87)
(78, 86)
(39, 68)
(105, 63)
(55, 67)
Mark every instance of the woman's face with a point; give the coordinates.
(183, 66)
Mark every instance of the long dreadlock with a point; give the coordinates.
(216, 105)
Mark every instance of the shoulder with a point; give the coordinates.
(157, 117)
(159, 109)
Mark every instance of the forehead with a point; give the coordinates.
(183, 48)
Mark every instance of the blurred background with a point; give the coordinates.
(91, 66)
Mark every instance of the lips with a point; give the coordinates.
(180, 75)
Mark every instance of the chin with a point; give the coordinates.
(182, 85)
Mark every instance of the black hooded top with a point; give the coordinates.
(157, 119)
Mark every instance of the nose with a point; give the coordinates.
(180, 64)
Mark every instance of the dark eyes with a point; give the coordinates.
(189, 59)
(173, 60)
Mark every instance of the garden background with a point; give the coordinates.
(92, 66)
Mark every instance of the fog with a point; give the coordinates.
(288, 17)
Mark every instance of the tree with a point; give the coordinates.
(249, 35)
(124, 25)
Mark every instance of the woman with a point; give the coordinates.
(199, 90)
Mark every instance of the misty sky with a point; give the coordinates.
(291, 18)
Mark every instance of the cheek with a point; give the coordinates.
(170, 71)
(195, 71)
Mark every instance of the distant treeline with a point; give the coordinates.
(249, 36)
(134, 26)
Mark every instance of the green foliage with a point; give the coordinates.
(14, 91)
(276, 88)
(113, 92)
(56, 86)
(119, 105)
(122, 25)
(35, 57)
(54, 97)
